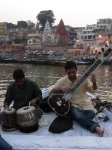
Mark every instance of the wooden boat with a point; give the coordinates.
(107, 62)
(83, 63)
(73, 139)
(15, 61)
(62, 63)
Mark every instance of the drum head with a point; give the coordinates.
(9, 110)
(25, 110)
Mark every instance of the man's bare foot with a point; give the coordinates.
(100, 131)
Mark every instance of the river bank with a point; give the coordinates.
(50, 62)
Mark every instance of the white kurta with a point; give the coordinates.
(79, 97)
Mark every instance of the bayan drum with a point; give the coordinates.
(9, 122)
(27, 119)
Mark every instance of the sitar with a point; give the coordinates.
(60, 102)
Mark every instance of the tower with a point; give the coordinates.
(47, 29)
(61, 31)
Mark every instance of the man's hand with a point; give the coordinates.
(34, 102)
(93, 78)
(64, 89)
(5, 107)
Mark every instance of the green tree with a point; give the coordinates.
(45, 15)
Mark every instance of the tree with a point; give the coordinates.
(45, 15)
(30, 24)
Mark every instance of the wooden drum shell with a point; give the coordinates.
(27, 119)
(9, 122)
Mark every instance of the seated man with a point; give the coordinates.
(81, 109)
(23, 92)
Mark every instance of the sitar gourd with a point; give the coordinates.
(60, 102)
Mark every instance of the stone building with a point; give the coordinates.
(61, 33)
(2, 32)
(48, 37)
(34, 40)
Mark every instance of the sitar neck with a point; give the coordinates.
(107, 52)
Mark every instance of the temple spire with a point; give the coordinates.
(47, 28)
(61, 30)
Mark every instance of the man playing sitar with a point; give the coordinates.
(79, 106)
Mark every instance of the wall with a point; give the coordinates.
(55, 47)
(2, 29)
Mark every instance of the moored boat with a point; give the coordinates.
(62, 63)
(107, 62)
(15, 61)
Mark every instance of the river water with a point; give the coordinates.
(46, 76)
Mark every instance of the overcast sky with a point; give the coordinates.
(76, 13)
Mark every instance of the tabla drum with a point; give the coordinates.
(9, 122)
(27, 119)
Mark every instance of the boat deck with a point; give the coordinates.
(73, 139)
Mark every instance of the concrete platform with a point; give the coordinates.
(73, 139)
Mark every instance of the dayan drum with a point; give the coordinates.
(27, 119)
(9, 122)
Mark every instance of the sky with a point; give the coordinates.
(76, 13)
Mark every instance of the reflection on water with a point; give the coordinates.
(46, 76)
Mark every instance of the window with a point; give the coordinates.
(29, 42)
